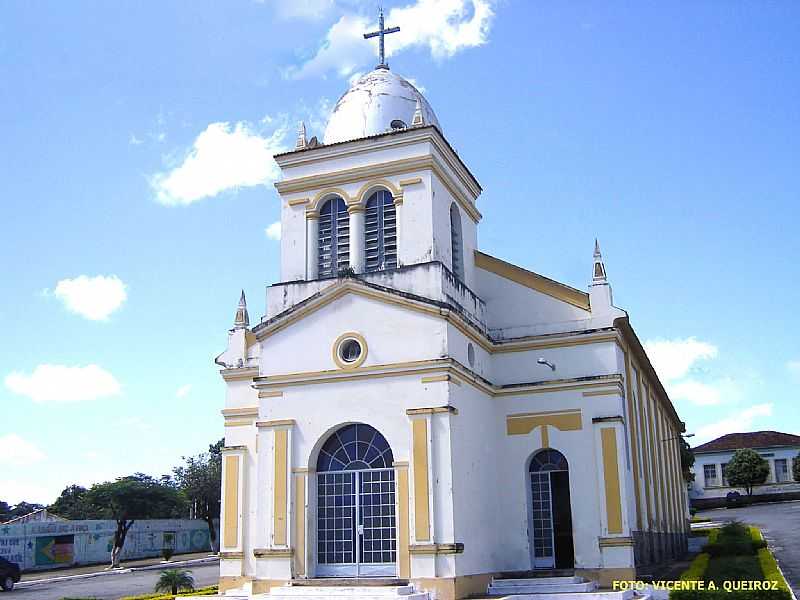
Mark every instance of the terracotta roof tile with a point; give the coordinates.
(753, 439)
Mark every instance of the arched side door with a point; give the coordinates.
(550, 511)
(356, 524)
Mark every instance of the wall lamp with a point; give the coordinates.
(543, 361)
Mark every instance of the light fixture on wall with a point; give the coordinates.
(680, 435)
(544, 361)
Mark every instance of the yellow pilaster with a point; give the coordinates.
(608, 439)
(422, 522)
(280, 494)
(230, 533)
(403, 529)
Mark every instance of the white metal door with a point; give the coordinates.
(542, 504)
(356, 525)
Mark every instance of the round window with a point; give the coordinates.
(350, 350)
(471, 354)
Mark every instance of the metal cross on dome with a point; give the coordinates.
(382, 31)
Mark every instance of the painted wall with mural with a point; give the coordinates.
(50, 545)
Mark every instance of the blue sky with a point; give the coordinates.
(137, 193)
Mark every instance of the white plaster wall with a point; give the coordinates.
(415, 243)
(393, 334)
(570, 362)
(515, 310)
(352, 155)
(699, 489)
(442, 199)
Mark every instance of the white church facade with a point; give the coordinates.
(412, 408)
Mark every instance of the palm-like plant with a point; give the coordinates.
(172, 580)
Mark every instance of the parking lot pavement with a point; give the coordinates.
(111, 586)
(780, 524)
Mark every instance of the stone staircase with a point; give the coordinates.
(335, 590)
(566, 587)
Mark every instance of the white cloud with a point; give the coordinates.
(673, 359)
(17, 451)
(224, 157)
(696, 392)
(183, 391)
(741, 421)
(274, 231)
(15, 491)
(444, 27)
(59, 383)
(92, 297)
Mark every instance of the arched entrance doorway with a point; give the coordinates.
(551, 515)
(356, 527)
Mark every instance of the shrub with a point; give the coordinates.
(206, 591)
(167, 553)
(697, 569)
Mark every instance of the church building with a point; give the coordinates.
(411, 408)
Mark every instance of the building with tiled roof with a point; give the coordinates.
(710, 486)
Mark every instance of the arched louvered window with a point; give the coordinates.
(456, 242)
(381, 232)
(334, 237)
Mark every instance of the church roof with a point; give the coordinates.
(752, 439)
(377, 102)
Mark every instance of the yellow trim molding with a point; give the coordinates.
(608, 439)
(532, 280)
(456, 548)
(523, 424)
(613, 542)
(325, 195)
(410, 181)
(422, 521)
(230, 534)
(276, 423)
(403, 554)
(341, 363)
(245, 411)
(430, 411)
(379, 170)
(239, 423)
(273, 552)
(438, 378)
(231, 555)
(270, 394)
(601, 393)
(280, 492)
(239, 374)
(362, 195)
(299, 201)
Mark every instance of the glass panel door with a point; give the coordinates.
(356, 532)
(542, 504)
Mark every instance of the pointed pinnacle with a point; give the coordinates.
(242, 300)
(596, 247)
(417, 120)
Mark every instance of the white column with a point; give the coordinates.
(312, 250)
(357, 243)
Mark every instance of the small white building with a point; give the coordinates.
(412, 407)
(710, 486)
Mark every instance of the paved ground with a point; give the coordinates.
(111, 586)
(126, 564)
(780, 524)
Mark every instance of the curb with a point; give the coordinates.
(159, 566)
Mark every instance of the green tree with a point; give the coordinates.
(796, 467)
(131, 498)
(5, 509)
(22, 509)
(687, 460)
(172, 580)
(71, 504)
(200, 480)
(747, 469)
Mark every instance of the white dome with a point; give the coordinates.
(372, 103)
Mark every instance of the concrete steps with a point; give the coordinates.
(338, 592)
(560, 587)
